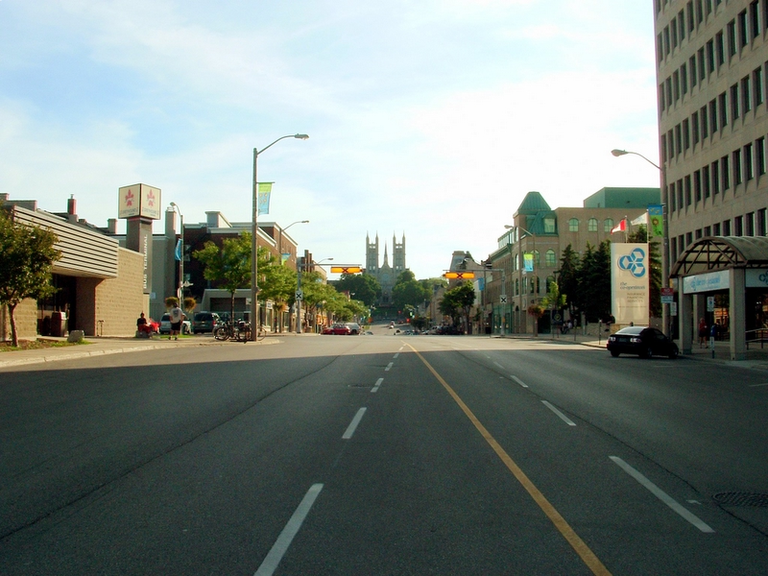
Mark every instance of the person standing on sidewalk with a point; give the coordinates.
(703, 332)
(177, 317)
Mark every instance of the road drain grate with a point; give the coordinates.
(742, 499)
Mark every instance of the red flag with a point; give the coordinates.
(620, 227)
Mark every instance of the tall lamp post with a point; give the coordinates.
(665, 236)
(280, 240)
(181, 255)
(255, 233)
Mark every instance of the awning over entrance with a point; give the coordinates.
(722, 253)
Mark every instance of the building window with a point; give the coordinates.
(692, 69)
(760, 156)
(707, 231)
(738, 175)
(551, 260)
(703, 122)
(592, 225)
(757, 81)
(731, 27)
(734, 102)
(680, 198)
(749, 165)
(686, 135)
(738, 226)
(701, 66)
(573, 225)
(711, 56)
(713, 116)
(760, 224)
(716, 229)
(754, 19)
(723, 105)
(726, 227)
(695, 127)
(705, 181)
(607, 224)
(720, 49)
(679, 138)
(676, 85)
(743, 29)
(697, 186)
(749, 224)
(746, 94)
(687, 190)
(715, 177)
(549, 225)
(725, 173)
(671, 197)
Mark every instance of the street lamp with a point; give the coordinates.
(665, 235)
(254, 233)
(280, 240)
(181, 255)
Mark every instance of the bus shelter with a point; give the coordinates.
(723, 279)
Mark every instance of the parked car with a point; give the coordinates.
(165, 325)
(354, 327)
(643, 341)
(341, 329)
(205, 322)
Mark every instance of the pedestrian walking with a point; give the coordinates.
(177, 317)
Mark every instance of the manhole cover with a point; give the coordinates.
(742, 499)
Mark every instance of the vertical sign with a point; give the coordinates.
(630, 286)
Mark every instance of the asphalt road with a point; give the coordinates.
(383, 454)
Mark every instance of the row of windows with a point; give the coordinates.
(712, 55)
(592, 225)
(740, 166)
(683, 24)
(742, 97)
(750, 224)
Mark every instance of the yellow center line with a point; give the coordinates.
(581, 548)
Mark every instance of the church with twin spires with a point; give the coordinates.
(385, 274)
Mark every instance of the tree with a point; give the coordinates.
(279, 281)
(458, 301)
(640, 236)
(364, 287)
(594, 292)
(228, 266)
(568, 279)
(27, 255)
(407, 291)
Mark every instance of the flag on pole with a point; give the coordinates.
(642, 219)
(265, 192)
(656, 216)
(620, 227)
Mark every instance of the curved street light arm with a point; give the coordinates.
(616, 152)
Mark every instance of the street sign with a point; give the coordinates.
(667, 295)
(299, 294)
(503, 299)
(459, 275)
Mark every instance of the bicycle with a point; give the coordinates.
(239, 333)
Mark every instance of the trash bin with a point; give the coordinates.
(59, 324)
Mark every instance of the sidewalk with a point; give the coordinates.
(757, 356)
(107, 345)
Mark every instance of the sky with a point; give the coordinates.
(429, 119)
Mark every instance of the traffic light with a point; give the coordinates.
(459, 275)
(346, 269)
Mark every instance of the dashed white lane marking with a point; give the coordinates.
(396, 355)
(562, 416)
(353, 425)
(663, 496)
(499, 365)
(516, 379)
(376, 386)
(280, 547)
(388, 367)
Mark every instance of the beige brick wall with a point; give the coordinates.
(118, 301)
(26, 320)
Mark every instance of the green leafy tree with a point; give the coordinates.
(457, 302)
(595, 282)
(27, 255)
(640, 236)
(408, 291)
(568, 278)
(278, 281)
(364, 287)
(228, 266)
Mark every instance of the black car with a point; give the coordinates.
(205, 322)
(644, 341)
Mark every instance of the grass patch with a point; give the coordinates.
(36, 345)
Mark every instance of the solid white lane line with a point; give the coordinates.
(280, 547)
(663, 496)
(396, 355)
(353, 425)
(562, 416)
(388, 367)
(516, 379)
(758, 385)
(376, 386)
(499, 365)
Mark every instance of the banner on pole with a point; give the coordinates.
(656, 217)
(630, 285)
(265, 193)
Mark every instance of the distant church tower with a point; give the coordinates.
(385, 274)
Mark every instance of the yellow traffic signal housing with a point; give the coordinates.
(346, 269)
(459, 275)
